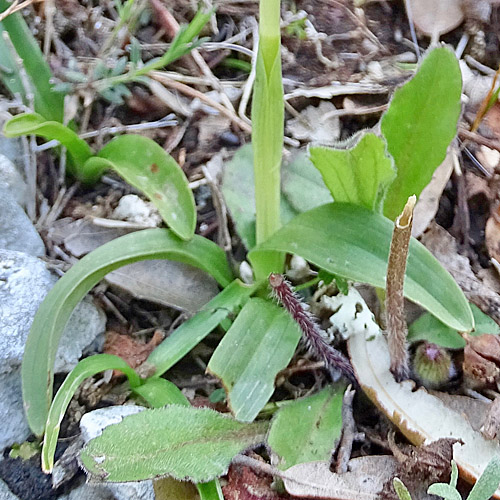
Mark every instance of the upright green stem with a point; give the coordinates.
(267, 128)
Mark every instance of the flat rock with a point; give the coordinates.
(92, 425)
(5, 493)
(14, 425)
(24, 283)
(89, 491)
(11, 179)
(16, 230)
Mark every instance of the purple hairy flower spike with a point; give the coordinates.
(311, 333)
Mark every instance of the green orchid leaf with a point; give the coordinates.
(487, 485)
(78, 149)
(429, 328)
(359, 175)
(158, 392)
(420, 124)
(48, 102)
(259, 344)
(315, 422)
(149, 168)
(87, 367)
(50, 320)
(195, 329)
(178, 441)
(352, 242)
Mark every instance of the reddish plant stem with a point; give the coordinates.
(311, 332)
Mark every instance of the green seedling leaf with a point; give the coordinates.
(359, 175)
(401, 490)
(195, 329)
(32, 123)
(85, 368)
(239, 193)
(259, 344)
(302, 184)
(429, 328)
(148, 167)
(210, 491)
(306, 430)
(50, 320)
(444, 490)
(158, 392)
(178, 441)
(419, 125)
(487, 484)
(48, 103)
(352, 242)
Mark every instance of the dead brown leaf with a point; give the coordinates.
(434, 18)
(246, 484)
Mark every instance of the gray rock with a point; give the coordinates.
(92, 425)
(24, 282)
(88, 491)
(5, 493)
(11, 179)
(16, 231)
(14, 425)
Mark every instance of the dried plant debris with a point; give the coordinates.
(444, 247)
(435, 18)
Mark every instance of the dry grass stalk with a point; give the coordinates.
(396, 322)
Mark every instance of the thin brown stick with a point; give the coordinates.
(15, 7)
(478, 139)
(394, 302)
(484, 105)
(348, 432)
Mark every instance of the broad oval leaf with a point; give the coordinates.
(48, 324)
(307, 429)
(178, 441)
(79, 150)
(148, 167)
(259, 344)
(358, 175)
(352, 242)
(419, 125)
(85, 368)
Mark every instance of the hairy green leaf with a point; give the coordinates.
(419, 125)
(48, 103)
(444, 490)
(259, 344)
(489, 481)
(50, 320)
(359, 175)
(85, 368)
(178, 441)
(306, 430)
(148, 167)
(78, 149)
(352, 242)
(195, 329)
(429, 328)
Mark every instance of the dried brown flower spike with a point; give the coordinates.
(311, 333)
(394, 302)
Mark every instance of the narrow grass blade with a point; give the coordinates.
(195, 329)
(178, 441)
(50, 320)
(48, 103)
(10, 75)
(148, 167)
(259, 344)
(352, 242)
(84, 369)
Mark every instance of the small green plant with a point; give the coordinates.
(484, 488)
(348, 238)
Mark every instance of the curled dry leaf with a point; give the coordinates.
(434, 18)
(481, 364)
(244, 483)
(420, 416)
